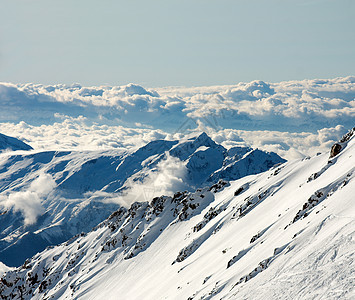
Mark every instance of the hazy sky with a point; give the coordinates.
(169, 42)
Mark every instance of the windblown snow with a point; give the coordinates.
(287, 233)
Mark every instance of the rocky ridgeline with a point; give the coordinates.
(128, 234)
(125, 232)
(338, 147)
(319, 196)
(84, 180)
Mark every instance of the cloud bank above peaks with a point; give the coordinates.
(293, 106)
(74, 134)
(292, 118)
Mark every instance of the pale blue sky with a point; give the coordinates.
(168, 42)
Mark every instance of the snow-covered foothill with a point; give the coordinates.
(4, 268)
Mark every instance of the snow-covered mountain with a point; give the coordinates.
(11, 143)
(48, 197)
(287, 233)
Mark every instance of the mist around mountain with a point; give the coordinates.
(177, 193)
(286, 233)
(48, 197)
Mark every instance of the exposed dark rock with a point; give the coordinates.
(263, 265)
(185, 252)
(238, 191)
(158, 205)
(211, 214)
(219, 186)
(312, 201)
(238, 257)
(347, 136)
(312, 177)
(336, 148)
(255, 237)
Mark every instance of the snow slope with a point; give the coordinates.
(4, 268)
(11, 143)
(287, 233)
(48, 197)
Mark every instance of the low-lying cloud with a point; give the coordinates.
(28, 201)
(165, 179)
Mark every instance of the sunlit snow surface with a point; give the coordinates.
(284, 234)
(294, 118)
(46, 197)
(287, 233)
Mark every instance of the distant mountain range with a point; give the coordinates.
(48, 197)
(287, 233)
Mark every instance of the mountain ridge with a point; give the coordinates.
(13, 144)
(85, 187)
(285, 233)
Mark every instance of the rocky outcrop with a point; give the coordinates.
(335, 150)
(338, 147)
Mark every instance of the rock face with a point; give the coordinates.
(347, 136)
(336, 148)
(11, 143)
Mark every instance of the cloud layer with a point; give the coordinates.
(294, 105)
(292, 118)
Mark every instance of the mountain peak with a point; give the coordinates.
(245, 239)
(203, 140)
(134, 89)
(202, 135)
(185, 148)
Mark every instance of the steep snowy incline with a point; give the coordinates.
(11, 143)
(287, 233)
(47, 197)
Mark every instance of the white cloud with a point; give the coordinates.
(28, 201)
(286, 144)
(72, 134)
(299, 104)
(167, 178)
(292, 118)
